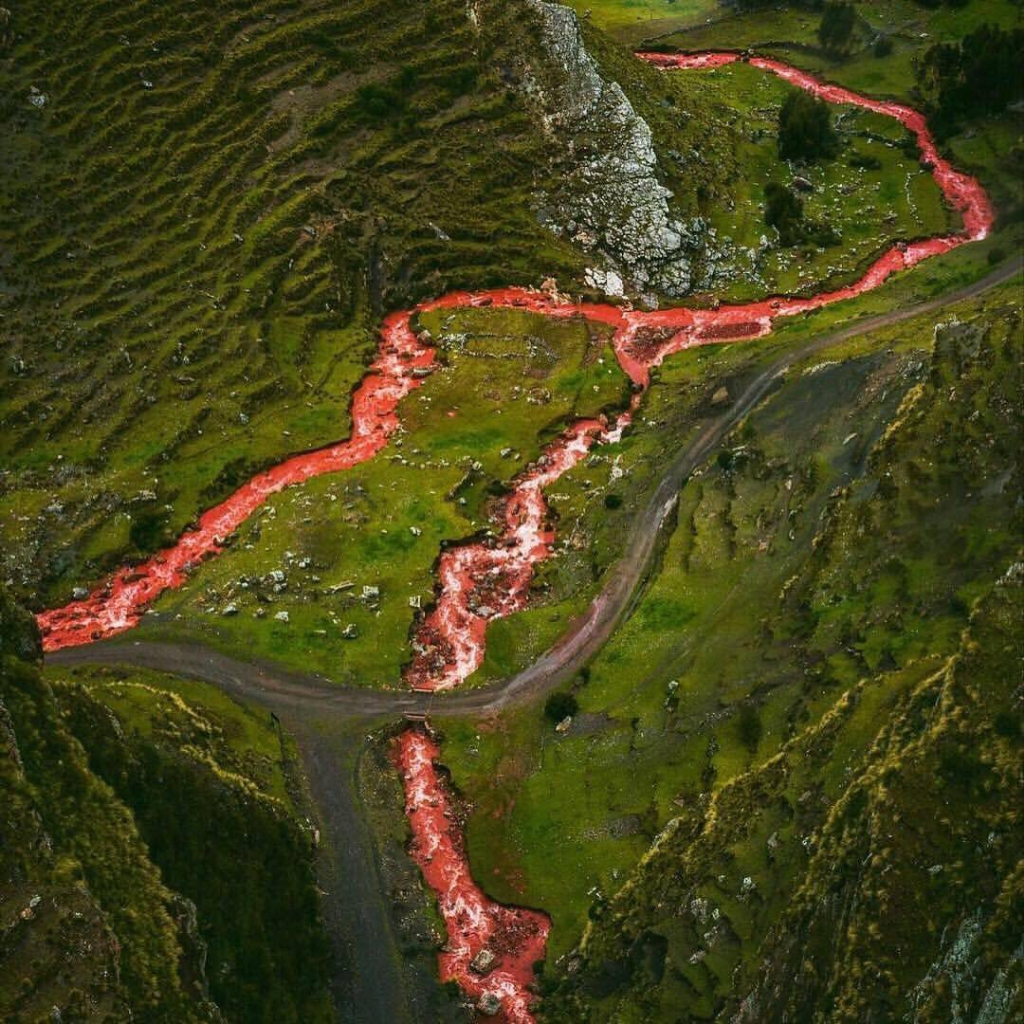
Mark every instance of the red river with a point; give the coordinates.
(449, 644)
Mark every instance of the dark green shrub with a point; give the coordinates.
(805, 128)
(560, 704)
(784, 211)
(865, 161)
(750, 727)
(836, 28)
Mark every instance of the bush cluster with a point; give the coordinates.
(805, 128)
(975, 76)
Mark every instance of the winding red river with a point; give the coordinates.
(449, 644)
(513, 936)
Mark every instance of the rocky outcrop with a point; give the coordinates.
(609, 200)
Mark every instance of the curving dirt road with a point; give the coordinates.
(373, 984)
(309, 694)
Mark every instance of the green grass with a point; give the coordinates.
(632, 21)
(985, 148)
(239, 743)
(868, 209)
(194, 272)
(713, 620)
(214, 790)
(508, 383)
(90, 925)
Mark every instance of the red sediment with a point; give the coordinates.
(479, 581)
(516, 936)
(491, 579)
(690, 61)
(118, 604)
(453, 637)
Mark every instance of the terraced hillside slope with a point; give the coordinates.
(205, 210)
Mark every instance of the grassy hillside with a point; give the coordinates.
(205, 209)
(88, 925)
(889, 40)
(843, 535)
(843, 879)
(509, 382)
(155, 862)
(214, 792)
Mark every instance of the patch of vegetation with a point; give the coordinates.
(780, 576)
(154, 863)
(212, 788)
(881, 831)
(805, 128)
(331, 576)
(784, 211)
(88, 925)
(560, 705)
(868, 205)
(837, 23)
(973, 77)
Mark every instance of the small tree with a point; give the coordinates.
(785, 212)
(836, 28)
(805, 128)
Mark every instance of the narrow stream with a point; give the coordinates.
(484, 580)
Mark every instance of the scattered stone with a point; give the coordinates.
(281, 616)
(607, 281)
(350, 632)
(483, 962)
(721, 396)
(564, 725)
(370, 593)
(489, 1004)
(229, 609)
(79, 593)
(801, 184)
(36, 98)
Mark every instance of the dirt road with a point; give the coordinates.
(328, 719)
